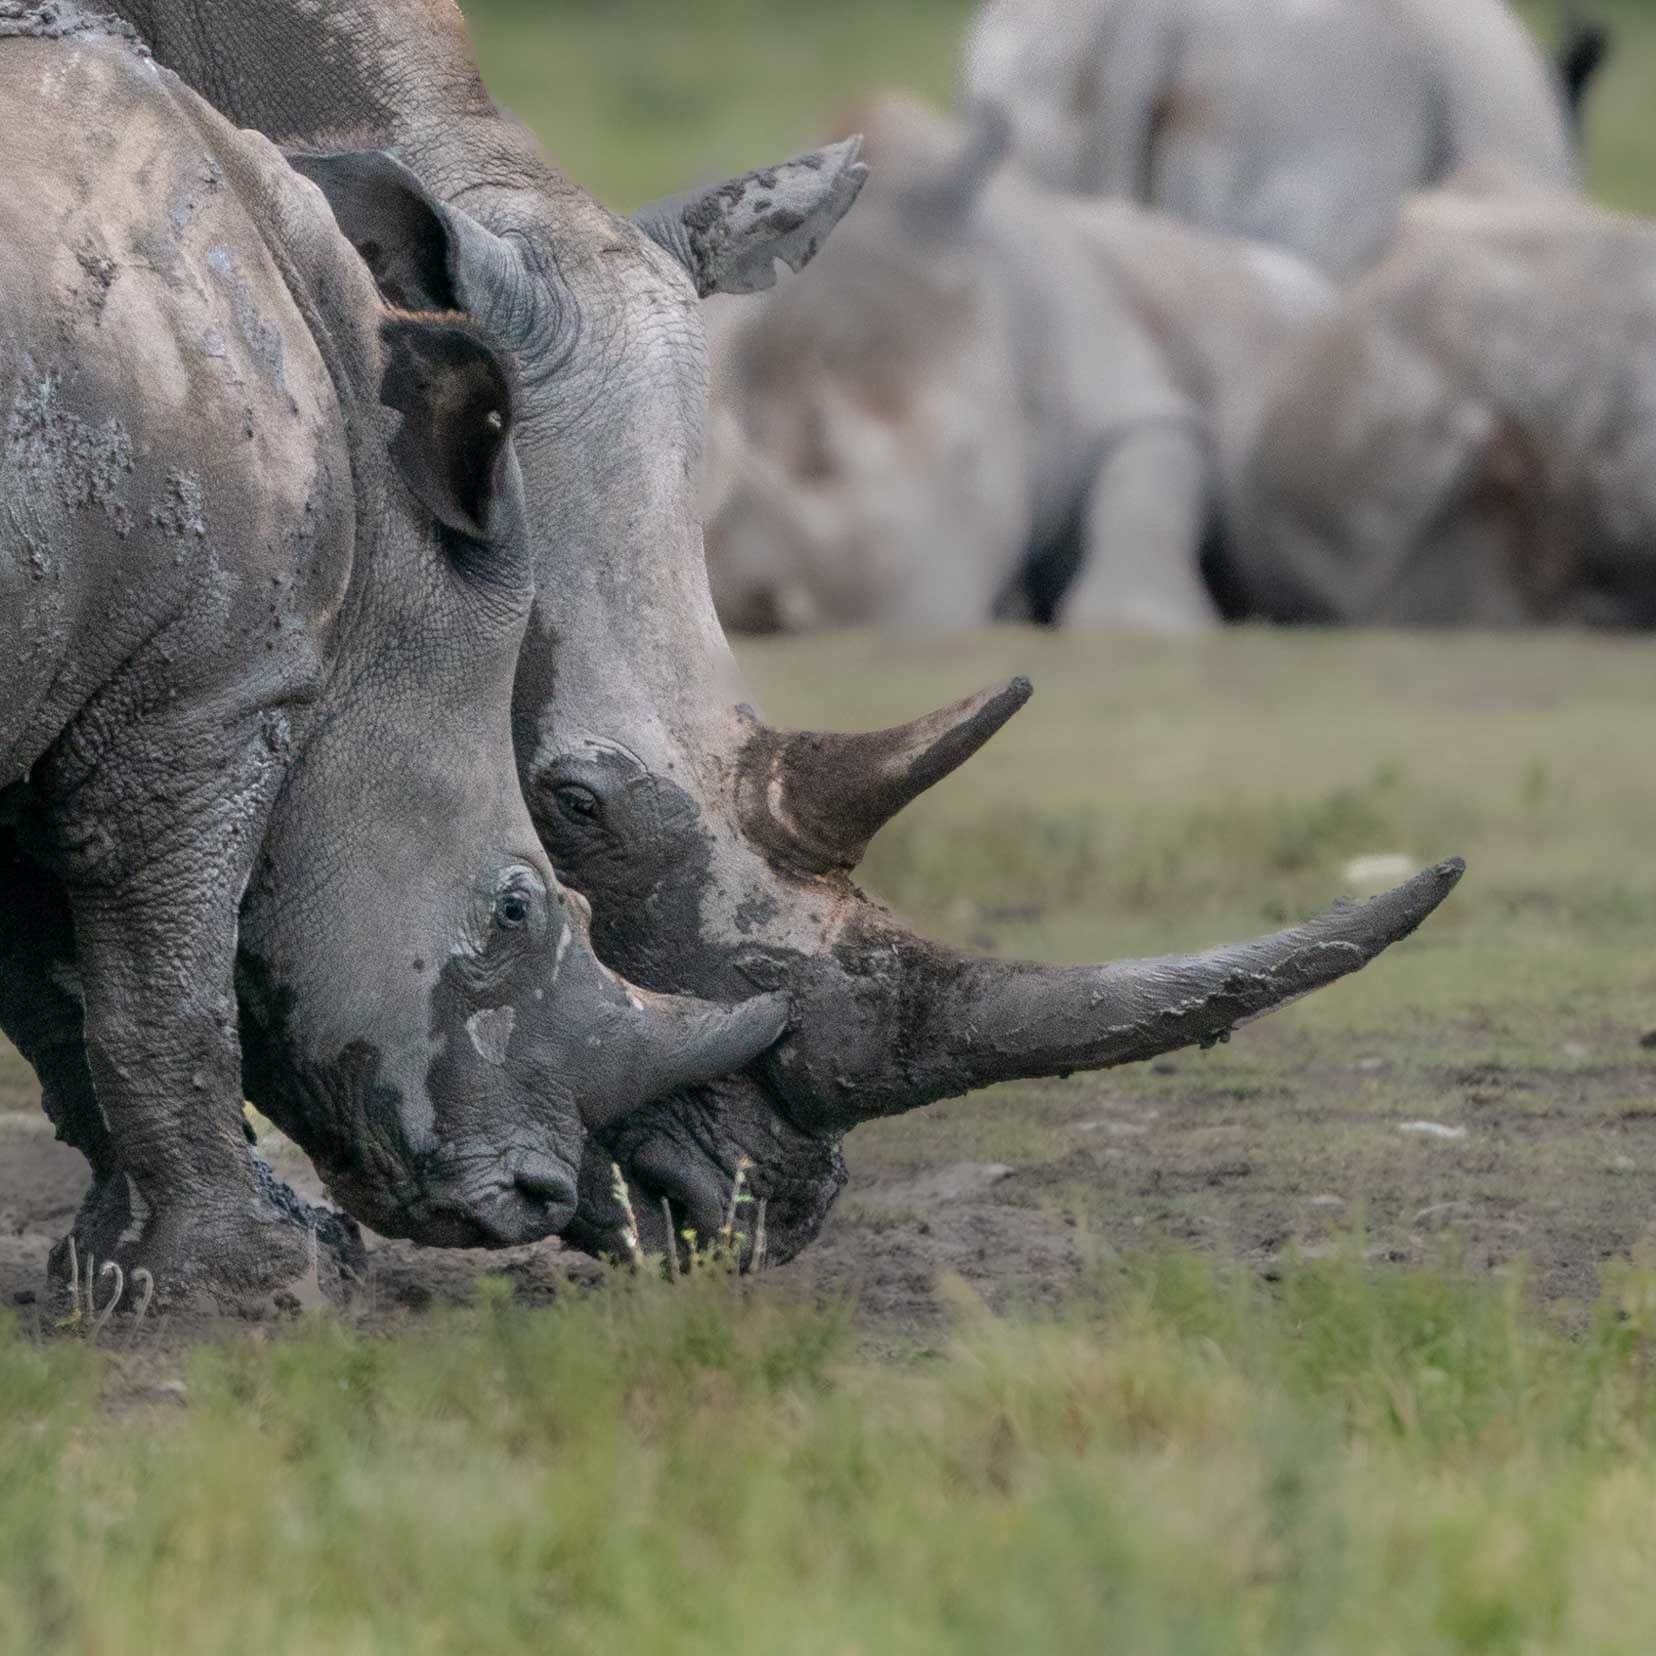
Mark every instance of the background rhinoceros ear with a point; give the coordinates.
(729, 237)
(423, 255)
(454, 392)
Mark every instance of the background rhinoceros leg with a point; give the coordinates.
(1142, 536)
(40, 1006)
(156, 843)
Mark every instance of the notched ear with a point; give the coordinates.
(455, 394)
(730, 237)
(423, 255)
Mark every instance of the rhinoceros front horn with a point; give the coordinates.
(664, 1042)
(815, 800)
(966, 1023)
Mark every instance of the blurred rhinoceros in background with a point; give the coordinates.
(1304, 123)
(987, 400)
(1471, 438)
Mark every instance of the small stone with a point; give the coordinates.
(1164, 1066)
(1328, 1201)
(1575, 1051)
(1369, 1066)
(1431, 1129)
(1623, 1164)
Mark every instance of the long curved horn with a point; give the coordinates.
(957, 1023)
(815, 800)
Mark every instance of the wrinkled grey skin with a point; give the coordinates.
(716, 851)
(247, 668)
(1471, 439)
(985, 399)
(1303, 123)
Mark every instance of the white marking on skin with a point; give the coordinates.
(140, 1214)
(491, 1033)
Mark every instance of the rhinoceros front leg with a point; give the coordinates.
(40, 1006)
(154, 864)
(1145, 522)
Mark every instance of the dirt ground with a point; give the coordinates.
(1487, 1089)
(1201, 1153)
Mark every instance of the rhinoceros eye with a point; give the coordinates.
(576, 803)
(514, 900)
(512, 910)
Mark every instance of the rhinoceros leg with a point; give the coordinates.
(40, 1007)
(1142, 536)
(155, 853)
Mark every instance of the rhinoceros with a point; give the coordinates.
(259, 635)
(986, 399)
(1471, 437)
(1304, 123)
(716, 849)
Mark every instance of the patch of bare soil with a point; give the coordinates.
(1490, 1167)
(1555, 1168)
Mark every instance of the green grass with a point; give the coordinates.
(1185, 1462)
(637, 98)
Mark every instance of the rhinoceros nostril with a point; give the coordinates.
(547, 1186)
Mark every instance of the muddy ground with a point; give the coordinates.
(1507, 1168)
(1485, 1089)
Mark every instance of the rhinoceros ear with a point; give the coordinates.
(424, 255)
(729, 237)
(454, 392)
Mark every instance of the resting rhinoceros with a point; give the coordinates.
(1471, 438)
(984, 399)
(717, 850)
(259, 635)
(1303, 123)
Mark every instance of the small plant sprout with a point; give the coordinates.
(672, 1240)
(110, 1268)
(73, 1318)
(761, 1237)
(739, 1198)
(142, 1279)
(623, 1197)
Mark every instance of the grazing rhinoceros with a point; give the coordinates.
(986, 399)
(258, 636)
(1303, 123)
(717, 850)
(1471, 438)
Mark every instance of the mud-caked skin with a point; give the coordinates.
(716, 852)
(263, 584)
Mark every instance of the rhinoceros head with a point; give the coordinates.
(716, 850)
(427, 1016)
